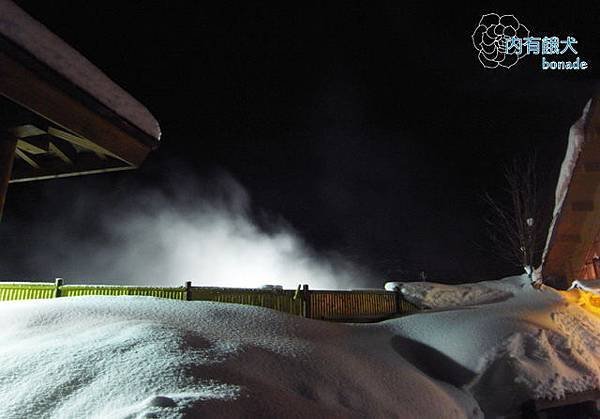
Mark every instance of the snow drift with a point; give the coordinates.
(433, 295)
(531, 344)
(140, 357)
(124, 357)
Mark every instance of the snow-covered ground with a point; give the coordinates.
(145, 357)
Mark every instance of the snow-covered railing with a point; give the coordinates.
(350, 305)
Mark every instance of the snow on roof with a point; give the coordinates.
(574, 147)
(34, 37)
(143, 356)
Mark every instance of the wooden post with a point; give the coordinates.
(58, 282)
(596, 266)
(8, 145)
(188, 290)
(306, 301)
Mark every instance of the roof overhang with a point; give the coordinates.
(52, 122)
(66, 116)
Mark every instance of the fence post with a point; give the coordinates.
(305, 301)
(188, 290)
(58, 283)
(398, 301)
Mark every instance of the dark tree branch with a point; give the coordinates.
(515, 227)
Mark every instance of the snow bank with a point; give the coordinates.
(438, 296)
(141, 356)
(32, 36)
(144, 357)
(535, 344)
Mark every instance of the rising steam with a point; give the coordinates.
(187, 233)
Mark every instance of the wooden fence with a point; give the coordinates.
(352, 305)
(343, 305)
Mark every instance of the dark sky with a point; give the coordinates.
(369, 126)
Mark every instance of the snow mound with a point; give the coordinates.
(440, 296)
(128, 357)
(533, 344)
(125, 357)
(541, 364)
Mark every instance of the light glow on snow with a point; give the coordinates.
(586, 299)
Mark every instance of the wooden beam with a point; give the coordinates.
(83, 164)
(47, 175)
(27, 130)
(61, 154)
(8, 145)
(81, 142)
(27, 159)
(30, 148)
(26, 88)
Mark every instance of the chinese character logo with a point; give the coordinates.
(500, 40)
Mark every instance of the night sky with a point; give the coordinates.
(372, 129)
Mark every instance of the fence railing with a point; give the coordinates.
(351, 305)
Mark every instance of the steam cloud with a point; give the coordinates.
(200, 232)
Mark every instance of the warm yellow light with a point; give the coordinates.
(584, 299)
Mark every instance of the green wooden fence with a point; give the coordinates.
(352, 305)
(80, 290)
(26, 291)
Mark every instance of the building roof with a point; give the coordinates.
(571, 241)
(69, 118)
(35, 38)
